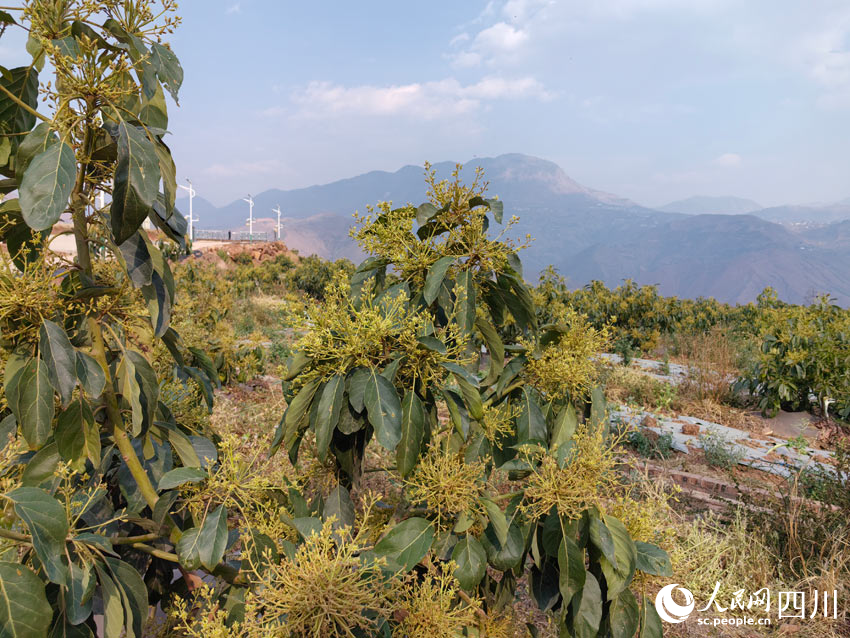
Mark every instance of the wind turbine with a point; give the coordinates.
(192, 219)
(250, 201)
(277, 210)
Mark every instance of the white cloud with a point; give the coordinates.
(427, 100)
(460, 38)
(234, 8)
(501, 38)
(728, 160)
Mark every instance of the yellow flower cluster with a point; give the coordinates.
(587, 478)
(565, 368)
(447, 484)
(430, 608)
(345, 335)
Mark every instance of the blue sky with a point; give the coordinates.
(654, 100)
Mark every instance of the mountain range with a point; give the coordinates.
(727, 248)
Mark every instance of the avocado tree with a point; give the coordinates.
(91, 455)
(487, 420)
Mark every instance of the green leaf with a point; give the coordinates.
(134, 596)
(618, 575)
(339, 506)
(495, 348)
(136, 181)
(531, 424)
(42, 466)
(136, 252)
(468, 387)
(45, 519)
(113, 607)
(460, 373)
(212, 539)
(139, 386)
(432, 343)
(466, 300)
(497, 208)
(90, 374)
(457, 412)
(650, 626)
(471, 561)
(180, 476)
(435, 277)
(571, 569)
(30, 398)
(425, 212)
(307, 526)
(261, 551)
(24, 610)
(61, 358)
(407, 543)
(301, 403)
(598, 409)
(204, 544)
(624, 615)
(169, 176)
(565, 427)
(290, 427)
(159, 295)
(587, 609)
(74, 427)
(203, 383)
(79, 599)
(327, 417)
(653, 560)
(188, 550)
(497, 519)
(167, 67)
(296, 364)
(154, 111)
(23, 84)
(503, 556)
(384, 409)
(601, 538)
(8, 429)
(412, 433)
(47, 185)
(37, 141)
(357, 388)
(206, 364)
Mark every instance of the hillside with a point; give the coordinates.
(730, 258)
(585, 233)
(807, 214)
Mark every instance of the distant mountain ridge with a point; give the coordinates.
(704, 205)
(586, 233)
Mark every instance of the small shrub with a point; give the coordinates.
(651, 445)
(624, 348)
(719, 451)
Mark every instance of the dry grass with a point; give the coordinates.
(712, 361)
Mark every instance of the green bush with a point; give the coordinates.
(313, 274)
(805, 355)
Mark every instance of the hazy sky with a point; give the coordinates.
(650, 99)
